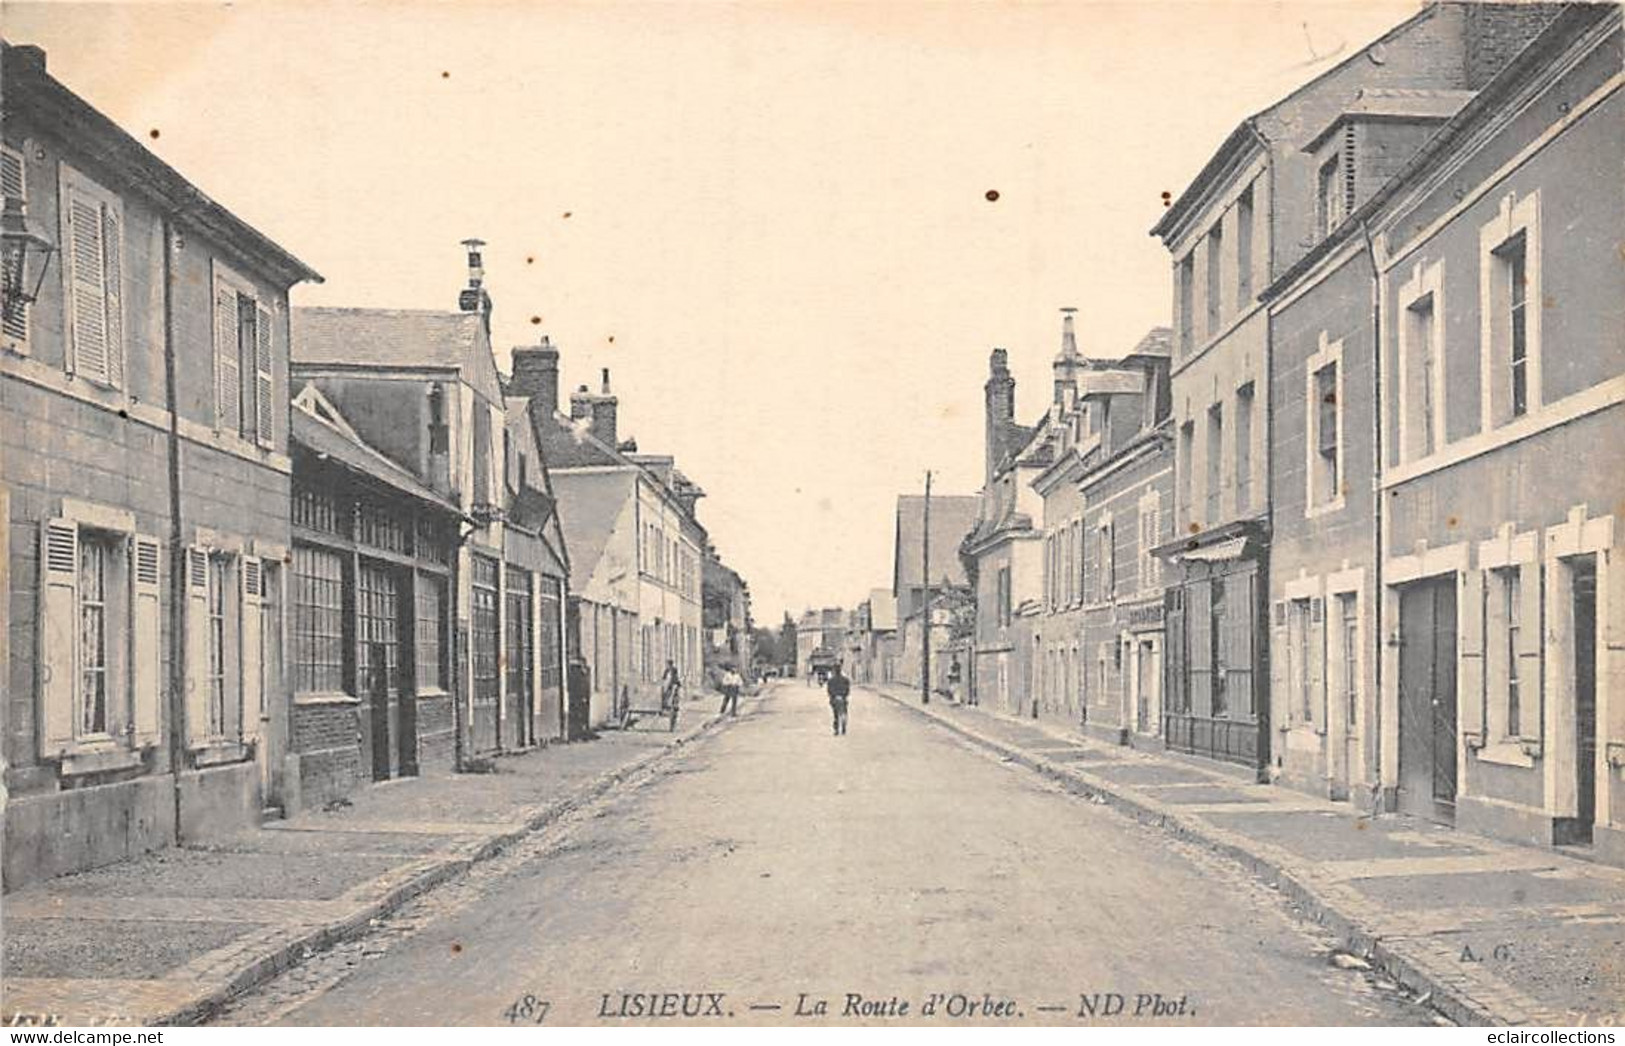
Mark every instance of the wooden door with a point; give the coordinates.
(1427, 698)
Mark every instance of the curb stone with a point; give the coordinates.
(1449, 992)
(290, 952)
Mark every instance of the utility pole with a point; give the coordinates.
(925, 576)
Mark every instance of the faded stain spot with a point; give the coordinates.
(1451, 521)
(568, 213)
(1167, 198)
(530, 259)
(992, 195)
(612, 339)
(456, 949)
(153, 134)
(1359, 826)
(1548, 302)
(123, 413)
(950, 411)
(535, 319)
(1196, 528)
(824, 505)
(445, 74)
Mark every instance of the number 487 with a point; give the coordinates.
(527, 1009)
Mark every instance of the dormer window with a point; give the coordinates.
(1334, 184)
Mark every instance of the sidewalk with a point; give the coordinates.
(168, 938)
(1497, 933)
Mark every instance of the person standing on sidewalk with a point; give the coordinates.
(671, 685)
(731, 684)
(839, 687)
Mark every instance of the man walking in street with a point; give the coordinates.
(671, 685)
(731, 683)
(839, 688)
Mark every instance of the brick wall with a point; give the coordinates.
(327, 740)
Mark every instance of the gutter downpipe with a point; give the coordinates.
(1261, 613)
(177, 549)
(1378, 592)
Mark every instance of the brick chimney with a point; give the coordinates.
(474, 297)
(536, 373)
(600, 408)
(1001, 407)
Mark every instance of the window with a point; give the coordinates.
(431, 623)
(1182, 471)
(439, 433)
(1108, 562)
(1215, 462)
(1323, 412)
(1215, 280)
(244, 389)
(1150, 527)
(318, 621)
(1004, 596)
(1421, 365)
(94, 555)
(221, 640)
(99, 638)
(1186, 280)
(1513, 650)
(1244, 446)
(1217, 643)
(1328, 197)
(93, 267)
(1244, 248)
(14, 333)
(1510, 297)
(1299, 637)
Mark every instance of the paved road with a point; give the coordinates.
(772, 860)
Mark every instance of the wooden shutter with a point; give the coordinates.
(252, 588)
(146, 641)
(59, 632)
(265, 404)
(1531, 640)
(1198, 639)
(1282, 682)
(196, 623)
(1611, 648)
(87, 312)
(112, 290)
(1316, 626)
(13, 186)
(1471, 704)
(228, 384)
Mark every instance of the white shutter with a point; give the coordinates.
(146, 641)
(1282, 682)
(253, 590)
(265, 404)
(59, 631)
(196, 623)
(1470, 705)
(87, 312)
(1531, 639)
(13, 185)
(228, 385)
(1317, 662)
(112, 293)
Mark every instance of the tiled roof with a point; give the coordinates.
(590, 504)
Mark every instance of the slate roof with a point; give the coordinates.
(319, 437)
(397, 338)
(952, 517)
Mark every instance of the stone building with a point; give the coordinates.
(1002, 554)
(421, 386)
(636, 545)
(952, 517)
(1125, 487)
(368, 654)
(144, 387)
(1257, 206)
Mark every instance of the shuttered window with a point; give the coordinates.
(245, 395)
(92, 256)
(13, 182)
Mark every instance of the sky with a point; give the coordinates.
(776, 224)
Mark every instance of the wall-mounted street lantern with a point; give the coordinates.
(26, 257)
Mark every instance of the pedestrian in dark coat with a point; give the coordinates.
(839, 687)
